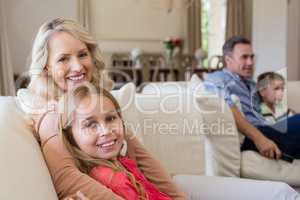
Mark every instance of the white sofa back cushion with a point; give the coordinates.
(126, 99)
(171, 130)
(222, 152)
(23, 171)
(174, 87)
(167, 125)
(215, 118)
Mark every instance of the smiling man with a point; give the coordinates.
(235, 82)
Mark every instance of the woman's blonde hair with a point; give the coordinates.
(83, 161)
(41, 84)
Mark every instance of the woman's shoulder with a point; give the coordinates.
(34, 106)
(30, 103)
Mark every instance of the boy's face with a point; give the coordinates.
(97, 128)
(273, 93)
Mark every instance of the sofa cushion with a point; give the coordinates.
(23, 171)
(173, 87)
(171, 130)
(215, 123)
(256, 166)
(222, 145)
(220, 159)
(126, 99)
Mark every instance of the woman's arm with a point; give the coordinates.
(152, 169)
(66, 177)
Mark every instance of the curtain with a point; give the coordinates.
(83, 13)
(235, 18)
(7, 86)
(193, 25)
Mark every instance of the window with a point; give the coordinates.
(213, 21)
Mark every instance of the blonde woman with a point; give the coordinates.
(63, 56)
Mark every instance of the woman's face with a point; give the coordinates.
(97, 128)
(69, 61)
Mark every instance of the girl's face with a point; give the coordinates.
(97, 128)
(273, 93)
(69, 61)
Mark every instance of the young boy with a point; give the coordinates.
(270, 87)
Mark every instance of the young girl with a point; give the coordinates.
(93, 131)
(271, 90)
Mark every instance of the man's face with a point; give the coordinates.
(241, 60)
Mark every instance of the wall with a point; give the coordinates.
(142, 24)
(127, 24)
(217, 23)
(24, 17)
(249, 17)
(293, 43)
(269, 34)
(276, 45)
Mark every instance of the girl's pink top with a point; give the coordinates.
(120, 184)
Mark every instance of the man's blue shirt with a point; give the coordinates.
(228, 84)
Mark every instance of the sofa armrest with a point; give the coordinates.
(222, 156)
(221, 142)
(23, 171)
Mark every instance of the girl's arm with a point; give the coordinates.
(152, 169)
(66, 177)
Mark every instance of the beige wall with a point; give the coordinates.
(249, 17)
(127, 24)
(269, 34)
(272, 39)
(293, 45)
(217, 23)
(24, 17)
(119, 25)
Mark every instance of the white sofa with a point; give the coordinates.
(247, 164)
(164, 123)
